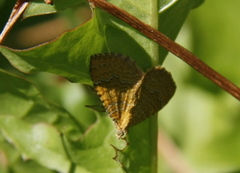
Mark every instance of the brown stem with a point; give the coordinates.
(17, 11)
(171, 46)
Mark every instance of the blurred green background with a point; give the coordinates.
(202, 119)
(201, 123)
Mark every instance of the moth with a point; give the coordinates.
(128, 94)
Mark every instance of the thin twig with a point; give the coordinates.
(171, 46)
(17, 11)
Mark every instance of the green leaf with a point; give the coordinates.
(39, 142)
(20, 98)
(30, 131)
(93, 152)
(28, 166)
(39, 7)
(69, 56)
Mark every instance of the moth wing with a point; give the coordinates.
(156, 89)
(114, 75)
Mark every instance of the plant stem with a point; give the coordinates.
(154, 142)
(154, 119)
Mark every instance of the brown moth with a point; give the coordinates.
(129, 95)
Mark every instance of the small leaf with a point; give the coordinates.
(39, 7)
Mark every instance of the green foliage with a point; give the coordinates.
(48, 134)
(68, 56)
(39, 135)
